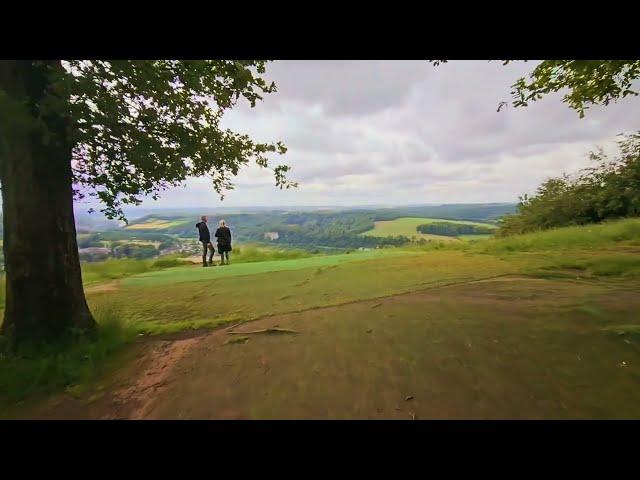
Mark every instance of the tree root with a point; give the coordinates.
(234, 326)
(265, 330)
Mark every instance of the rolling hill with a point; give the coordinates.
(542, 325)
(406, 226)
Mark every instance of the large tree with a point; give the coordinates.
(116, 130)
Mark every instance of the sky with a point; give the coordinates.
(406, 132)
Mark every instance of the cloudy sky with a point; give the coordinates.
(405, 132)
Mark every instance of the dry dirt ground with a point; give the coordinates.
(513, 347)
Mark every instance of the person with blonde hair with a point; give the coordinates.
(223, 234)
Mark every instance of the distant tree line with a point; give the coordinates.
(340, 229)
(352, 220)
(451, 229)
(610, 189)
(135, 251)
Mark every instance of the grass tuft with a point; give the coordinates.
(67, 364)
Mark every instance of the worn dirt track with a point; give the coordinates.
(457, 351)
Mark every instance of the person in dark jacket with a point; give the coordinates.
(205, 239)
(223, 234)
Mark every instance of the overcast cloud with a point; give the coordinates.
(400, 132)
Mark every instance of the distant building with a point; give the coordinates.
(271, 235)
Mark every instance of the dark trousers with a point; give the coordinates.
(222, 255)
(205, 246)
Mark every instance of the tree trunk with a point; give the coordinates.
(44, 293)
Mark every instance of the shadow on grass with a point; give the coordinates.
(68, 364)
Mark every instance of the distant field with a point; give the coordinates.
(407, 226)
(142, 242)
(157, 224)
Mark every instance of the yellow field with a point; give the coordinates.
(155, 224)
(407, 226)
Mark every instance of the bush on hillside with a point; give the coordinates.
(451, 229)
(610, 189)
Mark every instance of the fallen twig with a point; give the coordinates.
(264, 330)
(234, 326)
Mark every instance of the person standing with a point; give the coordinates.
(223, 234)
(205, 239)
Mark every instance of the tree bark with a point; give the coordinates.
(44, 293)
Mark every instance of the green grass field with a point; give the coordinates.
(407, 226)
(542, 325)
(193, 273)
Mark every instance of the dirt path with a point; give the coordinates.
(134, 400)
(506, 347)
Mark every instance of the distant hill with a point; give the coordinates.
(318, 227)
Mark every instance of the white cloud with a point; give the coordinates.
(367, 132)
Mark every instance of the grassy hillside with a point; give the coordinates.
(614, 234)
(461, 321)
(173, 298)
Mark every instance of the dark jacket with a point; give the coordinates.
(205, 236)
(223, 234)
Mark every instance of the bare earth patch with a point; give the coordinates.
(137, 398)
(509, 347)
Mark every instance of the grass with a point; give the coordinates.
(625, 330)
(407, 226)
(162, 300)
(614, 265)
(249, 253)
(164, 296)
(480, 236)
(113, 269)
(166, 262)
(193, 273)
(68, 364)
(194, 297)
(581, 237)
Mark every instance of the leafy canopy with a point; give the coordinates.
(587, 82)
(141, 126)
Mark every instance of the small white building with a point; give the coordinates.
(271, 235)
